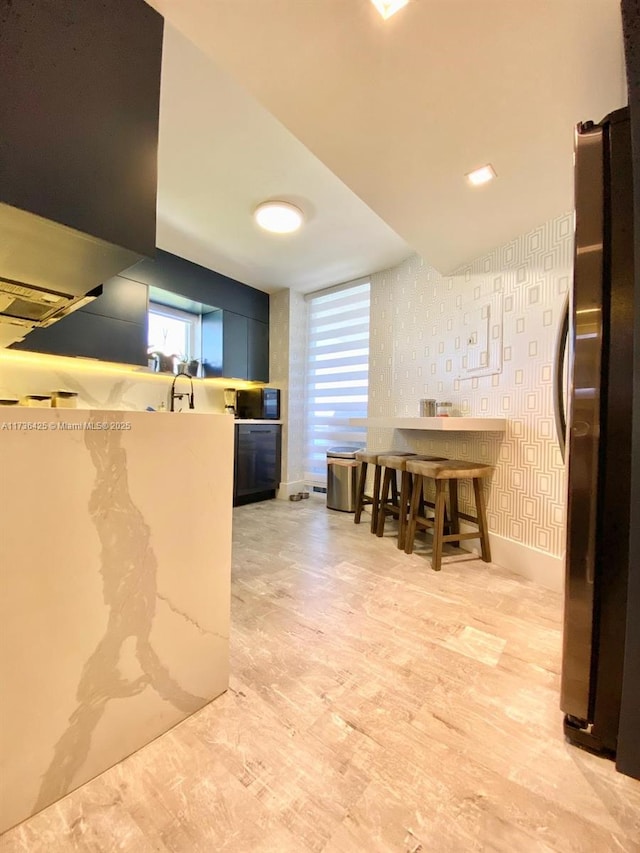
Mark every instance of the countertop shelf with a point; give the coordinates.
(434, 424)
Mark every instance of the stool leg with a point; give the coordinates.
(384, 499)
(362, 480)
(416, 495)
(453, 504)
(482, 520)
(394, 489)
(438, 526)
(405, 494)
(375, 498)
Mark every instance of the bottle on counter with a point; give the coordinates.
(444, 410)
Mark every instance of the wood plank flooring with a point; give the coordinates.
(375, 705)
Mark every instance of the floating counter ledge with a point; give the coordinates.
(434, 424)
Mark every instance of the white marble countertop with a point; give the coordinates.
(434, 424)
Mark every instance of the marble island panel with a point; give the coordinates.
(115, 554)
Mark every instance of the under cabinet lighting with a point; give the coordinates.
(387, 8)
(279, 217)
(481, 176)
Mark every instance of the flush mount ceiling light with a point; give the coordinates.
(279, 217)
(481, 176)
(387, 8)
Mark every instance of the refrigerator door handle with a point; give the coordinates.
(559, 399)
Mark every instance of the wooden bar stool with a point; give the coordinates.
(442, 472)
(390, 504)
(366, 458)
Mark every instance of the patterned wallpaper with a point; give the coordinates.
(420, 324)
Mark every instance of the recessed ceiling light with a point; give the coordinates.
(482, 175)
(279, 217)
(387, 8)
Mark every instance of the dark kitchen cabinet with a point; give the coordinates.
(235, 346)
(112, 327)
(235, 331)
(257, 350)
(79, 107)
(256, 470)
(235, 317)
(199, 284)
(121, 299)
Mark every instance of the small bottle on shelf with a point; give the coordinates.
(444, 410)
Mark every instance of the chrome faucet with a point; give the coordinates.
(178, 396)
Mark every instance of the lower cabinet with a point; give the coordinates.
(256, 470)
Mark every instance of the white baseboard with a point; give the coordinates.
(524, 560)
(291, 488)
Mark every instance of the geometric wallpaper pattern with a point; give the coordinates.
(419, 347)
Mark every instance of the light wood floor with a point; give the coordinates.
(374, 706)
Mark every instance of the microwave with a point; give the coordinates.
(259, 403)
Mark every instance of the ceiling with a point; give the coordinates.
(370, 127)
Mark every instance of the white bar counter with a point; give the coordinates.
(115, 556)
(434, 424)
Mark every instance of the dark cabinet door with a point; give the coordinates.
(234, 345)
(122, 299)
(91, 336)
(257, 462)
(211, 355)
(258, 351)
(79, 114)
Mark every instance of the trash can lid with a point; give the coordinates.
(343, 452)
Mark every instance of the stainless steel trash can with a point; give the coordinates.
(342, 478)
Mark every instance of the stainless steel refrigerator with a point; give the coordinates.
(597, 368)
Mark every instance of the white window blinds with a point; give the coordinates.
(337, 377)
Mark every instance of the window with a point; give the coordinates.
(173, 332)
(337, 377)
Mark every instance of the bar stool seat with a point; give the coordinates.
(366, 458)
(390, 503)
(448, 471)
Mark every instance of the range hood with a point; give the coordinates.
(48, 270)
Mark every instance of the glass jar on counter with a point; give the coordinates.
(427, 408)
(444, 410)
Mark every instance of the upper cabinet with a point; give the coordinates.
(112, 327)
(234, 346)
(258, 351)
(235, 317)
(200, 285)
(79, 109)
(79, 116)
